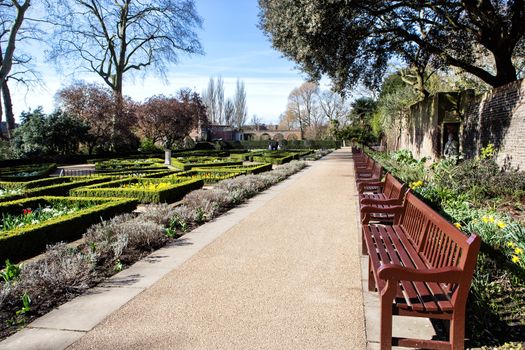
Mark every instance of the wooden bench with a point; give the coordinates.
(381, 195)
(372, 174)
(422, 266)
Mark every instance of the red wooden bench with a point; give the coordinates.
(422, 266)
(379, 196)
(369, 174)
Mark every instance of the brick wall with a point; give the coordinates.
(497, 117)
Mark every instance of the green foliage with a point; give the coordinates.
(147, 145)
(56, 133)
(359, 134)
(6, 151)
(10, 272)
(334, 38)
(488, 152)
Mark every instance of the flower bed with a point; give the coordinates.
(28, 225)
(144, 190)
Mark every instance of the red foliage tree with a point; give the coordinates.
(96, 106)
(170, 119)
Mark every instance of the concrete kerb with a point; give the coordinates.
(69, 322)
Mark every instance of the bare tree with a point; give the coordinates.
(239, 101)
(302, 105)
(113, 38)
(12, 16)
(256, 121)
(209, 97)
(229, 112)
(213, 98)
(333, 106)
(220, 100)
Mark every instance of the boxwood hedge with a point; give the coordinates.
(28, 241)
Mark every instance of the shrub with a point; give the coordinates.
(160, 214)
(123, 238)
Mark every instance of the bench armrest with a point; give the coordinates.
(366, 210)
(361, 186)
(364, 201)
(400, 273)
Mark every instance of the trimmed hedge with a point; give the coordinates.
(26, 172)
(60, 189)
(249, 169)
(28, 241)
(177, 189)
(128, 165)
(278, 158)
(189, 163)
(33, 183)
(209, 176)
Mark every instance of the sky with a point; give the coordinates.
(234, 48)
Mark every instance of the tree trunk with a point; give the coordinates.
(506, 72)
(8, 108)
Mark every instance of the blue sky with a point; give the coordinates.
(235, 48)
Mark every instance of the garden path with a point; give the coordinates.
(285, 277)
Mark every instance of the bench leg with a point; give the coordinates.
(364, 250)
(457, 330)
(371, 279)
(387, 297)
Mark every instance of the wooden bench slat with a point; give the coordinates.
(426, 290)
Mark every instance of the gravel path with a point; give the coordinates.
(286, 277)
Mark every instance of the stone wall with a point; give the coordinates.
(496, 117)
